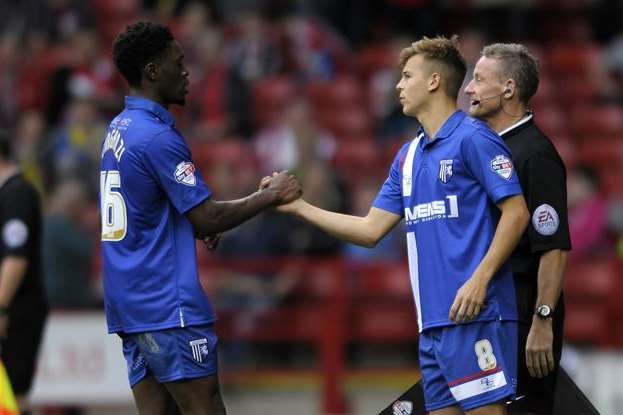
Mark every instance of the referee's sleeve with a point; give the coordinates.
(545, 190)
(18, 222)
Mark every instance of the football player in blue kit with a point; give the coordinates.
(457, 190)
(153, 204)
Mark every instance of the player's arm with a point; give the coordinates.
(212, 217)
(365, 231)
(539, 346)
(470, 297)
(12, 273)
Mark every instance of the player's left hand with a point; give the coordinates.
(469, 300)
(539, 348)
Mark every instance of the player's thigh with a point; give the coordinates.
(479, 362)
(498, 408)
(153, 398)
(198, 396)
(450, 410)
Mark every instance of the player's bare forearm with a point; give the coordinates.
(365, 231)
(513, 222)
(213, 217)
(12, 271)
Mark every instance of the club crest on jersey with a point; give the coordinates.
(185, 173)
(402, 408)
(545, 220)
(199, 349)
(445, 170)
(503, 166)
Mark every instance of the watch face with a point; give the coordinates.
(544, 311)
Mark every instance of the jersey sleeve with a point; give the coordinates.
(19, 223)
(489, 160)
(169, 160)
(389, 197)
(546, 196)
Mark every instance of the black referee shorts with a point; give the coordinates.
(20, 349)
(538, 394)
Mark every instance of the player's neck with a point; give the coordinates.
(149, 94)
(507, 116)
(433, 117)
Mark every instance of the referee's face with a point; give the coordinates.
(485, 90)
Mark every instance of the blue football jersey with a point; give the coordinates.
(147, 183)
(447, 189)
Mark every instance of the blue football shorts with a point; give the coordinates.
(469, 365)
(171, 354)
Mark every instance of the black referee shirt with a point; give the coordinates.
(20, 235)
(543, 179)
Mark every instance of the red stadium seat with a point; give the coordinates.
(588, 324)
(375, 58)
(340, 93)
(597, 120)
(270, 97)
(573, 59)
(353, 122)
(601, 152)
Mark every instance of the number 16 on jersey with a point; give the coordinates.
(112, 206)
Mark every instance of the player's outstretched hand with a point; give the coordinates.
(469, 300)
(286, 187)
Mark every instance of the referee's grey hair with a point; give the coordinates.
(517, 64)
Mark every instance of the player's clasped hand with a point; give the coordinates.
(286, 186)
(468, 300)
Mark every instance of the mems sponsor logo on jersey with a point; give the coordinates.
(437, 209)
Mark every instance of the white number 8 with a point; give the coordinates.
(484, 352)
(112, 205)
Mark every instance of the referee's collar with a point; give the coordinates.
(136, 102)
(525, 119)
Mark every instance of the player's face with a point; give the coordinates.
(485, 90)
(173, 81)
(412, 89)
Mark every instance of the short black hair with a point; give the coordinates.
(140, 44)
(5, 145)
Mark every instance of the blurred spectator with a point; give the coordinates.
(293, 141)
(68, 246)
(252, 54)
(9, 71)
(588, 215)
(29, 134)
(75, 145)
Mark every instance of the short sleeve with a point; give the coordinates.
(489, 160)
(19, 222)
(169, 160)
(544, 185)
(390, 196)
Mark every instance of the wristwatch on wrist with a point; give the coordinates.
(544, 311)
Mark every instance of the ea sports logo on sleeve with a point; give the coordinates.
(545, 220)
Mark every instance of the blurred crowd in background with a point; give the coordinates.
(305, 85)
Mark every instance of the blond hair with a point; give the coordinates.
(444, 54)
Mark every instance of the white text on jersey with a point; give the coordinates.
(115, 143)
(437, 209)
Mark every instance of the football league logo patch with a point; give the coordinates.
(445, 170)
(185, 173)
(503, 166)
(402, 408)
(545, 220)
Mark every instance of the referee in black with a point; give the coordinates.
(504, 80)
(23, 306)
